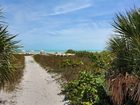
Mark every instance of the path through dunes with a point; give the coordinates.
(36, 88)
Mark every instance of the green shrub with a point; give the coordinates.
(86, 90)
(70, 51)
(83, 53)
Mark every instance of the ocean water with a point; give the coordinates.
(53, 51)
(50, 51)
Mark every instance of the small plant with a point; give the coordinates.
(66, 63)
(71, 63)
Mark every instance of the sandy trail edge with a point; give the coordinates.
(36, 88)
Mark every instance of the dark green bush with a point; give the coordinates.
(70, 51)
(88, 89)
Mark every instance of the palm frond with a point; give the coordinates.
(7, 48)
(124, 82)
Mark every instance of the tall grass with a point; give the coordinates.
(18, 62)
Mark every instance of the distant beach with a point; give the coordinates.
(53, 51)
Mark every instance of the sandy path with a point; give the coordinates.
(36, 88)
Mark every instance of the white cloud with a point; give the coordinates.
(70, 7)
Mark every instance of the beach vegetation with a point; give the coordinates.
(103, 78)
(70, 66)
(8, 47)
(124, 81)
(88, 89)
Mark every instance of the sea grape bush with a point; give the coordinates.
(101, 61)
(88, 89)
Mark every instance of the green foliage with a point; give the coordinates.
(71, 63)
(7, 48)
(101, 61)
(125, 69)
(83, 53)
(86, 90)
(66, 62)
(126, 44)
(79, 53)
(70, 51)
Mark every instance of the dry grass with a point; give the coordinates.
(57, 64)
(70, 66)
(19, 63)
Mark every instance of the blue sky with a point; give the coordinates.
(63, 24)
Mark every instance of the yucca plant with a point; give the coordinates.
(124, 82)
(7, 48)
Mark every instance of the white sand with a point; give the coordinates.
(36, 88)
